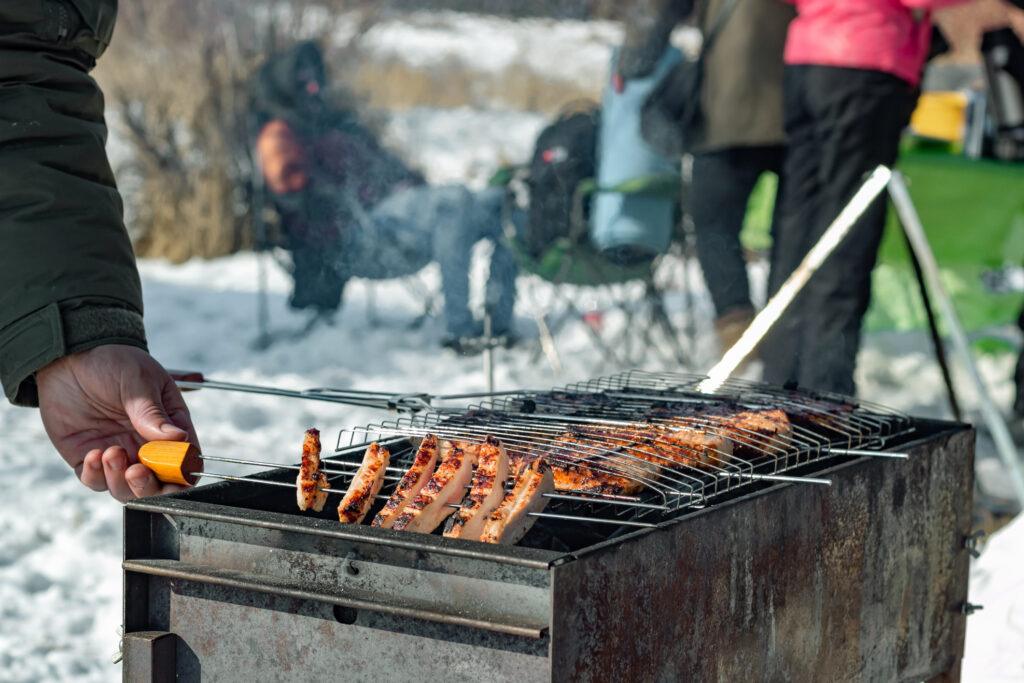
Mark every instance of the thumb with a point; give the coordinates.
(150, 420)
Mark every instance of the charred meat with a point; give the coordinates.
(311, 483)
(365, 485)
(446, 487)
(485, 494)
(411, 484)
(512, 519)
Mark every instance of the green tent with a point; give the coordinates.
(973, 213)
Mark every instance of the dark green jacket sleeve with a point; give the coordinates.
(68, 280)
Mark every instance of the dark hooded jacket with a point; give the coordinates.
(68, 280)
(321, 164)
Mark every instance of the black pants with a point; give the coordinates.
(722, 183)
(840, 124)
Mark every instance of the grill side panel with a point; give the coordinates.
(247, 602)
(861, 580)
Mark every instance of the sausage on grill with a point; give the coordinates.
(485, 493)
(512, 519)
(411, 484)
(311, 483)
(365, 485)
(446, 487)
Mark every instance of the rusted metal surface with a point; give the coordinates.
(862, 580)
(149, 657)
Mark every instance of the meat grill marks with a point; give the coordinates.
(512, 519)
(447, 486)
(485, 493)
(365, 485)
(617, 450)
(419, 472)
(311, 483)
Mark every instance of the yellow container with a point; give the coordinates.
(940, 116)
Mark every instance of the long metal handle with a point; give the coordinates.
(189, 380)
(770, 314)
(335, 595)
(919, 243)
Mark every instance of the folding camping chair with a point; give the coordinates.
(574, 268)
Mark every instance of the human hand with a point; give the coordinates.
(99, 406)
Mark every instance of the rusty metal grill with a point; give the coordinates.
(729, 578)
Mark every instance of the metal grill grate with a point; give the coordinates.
(670, 447)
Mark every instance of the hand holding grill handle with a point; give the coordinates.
(173, 462)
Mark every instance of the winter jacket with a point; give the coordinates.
(317, 160)
(68, 280)
(891, 36)
(741, 93)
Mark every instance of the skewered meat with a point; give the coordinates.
(447, 486)
(582, 463)
(512, 519)
(365, 485)
(616, 460)
(412, 482)
(311, 483)
(485, 493)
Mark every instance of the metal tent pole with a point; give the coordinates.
(919, 243)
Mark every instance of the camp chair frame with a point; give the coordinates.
(570, 260)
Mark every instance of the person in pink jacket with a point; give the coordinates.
(852, 69)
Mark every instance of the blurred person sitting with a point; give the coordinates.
(739, 136)
(72, 339)
(850, 84)
(351, 208)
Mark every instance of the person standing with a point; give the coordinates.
(740, 136)
(850, 84)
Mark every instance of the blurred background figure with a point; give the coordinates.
(851, 83)
(351, 208)
(739, 136)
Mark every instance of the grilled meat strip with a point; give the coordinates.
(311, 483)
(485, 493)
(511, 520)
(365, 485)
(412, 482)
(581, 462)
(447, 486)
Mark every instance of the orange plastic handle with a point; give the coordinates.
(173, 462)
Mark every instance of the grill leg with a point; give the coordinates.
(149, 657)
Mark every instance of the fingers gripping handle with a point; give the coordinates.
(173, 462)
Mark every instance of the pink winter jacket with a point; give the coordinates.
(880, 35)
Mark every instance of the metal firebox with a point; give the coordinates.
(865, 579)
